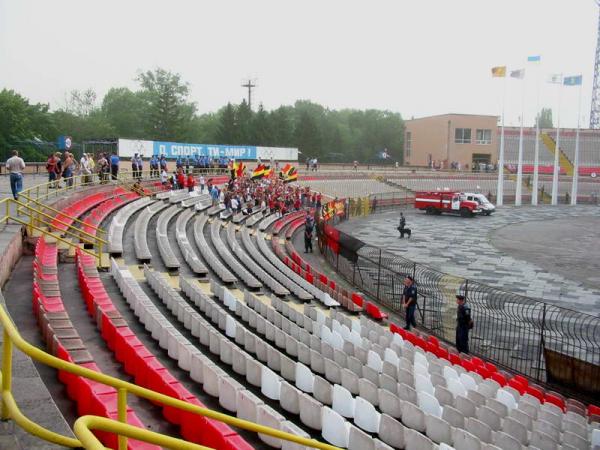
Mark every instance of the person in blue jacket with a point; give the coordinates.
(114, 165)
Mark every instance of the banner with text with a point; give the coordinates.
(129, 147)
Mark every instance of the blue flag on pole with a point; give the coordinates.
(535, 58)
(572, 81)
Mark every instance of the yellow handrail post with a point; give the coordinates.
(7, 209)
(122, 411)
(6, 371)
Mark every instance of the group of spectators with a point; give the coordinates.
(63, 166)
(242, 194)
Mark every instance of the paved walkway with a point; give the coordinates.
(549, 253)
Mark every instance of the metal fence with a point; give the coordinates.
(552, 345)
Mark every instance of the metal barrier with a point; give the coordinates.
(550, 344)
(10, 409)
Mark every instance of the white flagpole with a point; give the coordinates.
(500, 187)
(556, 151)
(519, 187)
(536, 157)
(574, 184)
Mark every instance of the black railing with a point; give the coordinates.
(552, 345)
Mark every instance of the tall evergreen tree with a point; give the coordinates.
(227, 130)
(168, 110)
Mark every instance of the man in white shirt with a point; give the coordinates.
(15, 165)
(85, 169)
(202, 182)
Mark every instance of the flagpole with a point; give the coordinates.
(519, 187)
(500, 187)
(574, 184)
(536, 157)
(556, 150)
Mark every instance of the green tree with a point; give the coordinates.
(81, 103)
(261, 128)
(545, 118)
(282, 126)
(243, 118)
(24, 126)
(168, 111)
(227, 130)
(124, 110)
(306, 135)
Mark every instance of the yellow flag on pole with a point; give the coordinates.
(499, 71)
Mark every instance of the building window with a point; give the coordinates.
(462, 136)
(484, 137)
(408, 144)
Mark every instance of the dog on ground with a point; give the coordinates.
(404, 231)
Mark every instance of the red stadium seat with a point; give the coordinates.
(357, 299)
(374, 311)
(555, 400)
(498, 378)
(535, 392)
(518, 385)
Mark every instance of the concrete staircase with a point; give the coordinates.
(564, 161)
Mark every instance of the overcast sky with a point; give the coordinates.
(418, 57)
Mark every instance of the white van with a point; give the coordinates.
(486, 206)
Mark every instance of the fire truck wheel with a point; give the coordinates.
(430, 210)
(465, 212)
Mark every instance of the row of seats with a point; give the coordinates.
(64, 220)
(335, 294)
(216, 382)
(589, 148)
(167, 254)
(140, 240)
(319, 294)
(118, 222)
(511, 150)
(194, 428)
(185, 247)
(255, 218)
(348, 188)
(353, 302)
(207, 253)
(267, 221)
(454, 184)
(275, 274)
(284, 221)
(242, 217)
(63, 341)
(200, 202)
(104, 209)
(251, 264)
(165, 195)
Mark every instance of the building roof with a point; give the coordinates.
(452, 114)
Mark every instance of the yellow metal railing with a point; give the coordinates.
(84, 424)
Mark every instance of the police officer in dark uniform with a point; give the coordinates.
(409, 301)
(464, 323)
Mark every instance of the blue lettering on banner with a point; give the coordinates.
(175, 149)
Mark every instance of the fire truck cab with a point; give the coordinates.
(446, 202)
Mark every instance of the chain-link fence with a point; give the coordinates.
(550, 344)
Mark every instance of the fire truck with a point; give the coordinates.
(446, 202)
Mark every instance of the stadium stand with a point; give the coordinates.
(511, 149)
(348, 188)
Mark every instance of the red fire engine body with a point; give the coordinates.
(447, 202)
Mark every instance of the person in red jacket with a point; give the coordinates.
(180, 179)
(191, 182)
